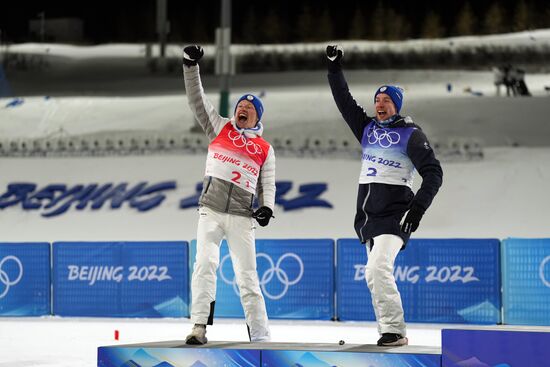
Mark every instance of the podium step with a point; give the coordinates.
(177, 353)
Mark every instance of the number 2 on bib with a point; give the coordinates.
(236, 177)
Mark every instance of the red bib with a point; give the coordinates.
(235, 158)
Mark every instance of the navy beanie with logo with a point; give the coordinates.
(395, 93)
(255, 101)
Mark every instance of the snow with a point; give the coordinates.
(27, 342)
(539, 38)
(69, 342)
(505, 194)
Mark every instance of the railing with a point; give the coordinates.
(452, 149)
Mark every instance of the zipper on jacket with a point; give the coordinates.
(228, 198)
(208, 184)
(366, 215)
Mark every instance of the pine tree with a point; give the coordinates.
(521, 17)
(432, 27)
(325, 30)
(199, 32)
(376, 29)
(399, 28)
(272, 30)
(250, 27)
(358, 30)
(305, 24)
(494, 20)
(465, 22)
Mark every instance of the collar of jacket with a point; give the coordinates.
(394, 121)
(391, 122)
(249, 133)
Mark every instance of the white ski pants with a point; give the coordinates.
(239, 233)
(386, 299)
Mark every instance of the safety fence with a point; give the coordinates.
(140, 143)
(467, 281)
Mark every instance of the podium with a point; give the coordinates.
(178, 354)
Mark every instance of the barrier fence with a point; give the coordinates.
(470, 281)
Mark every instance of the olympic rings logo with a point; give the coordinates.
(383, 137)
(545, 281)
(273, 273)
(240, 141)
(5, 279)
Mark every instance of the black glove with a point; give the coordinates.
(334, 55)
(263, 215)
(412, 220)
(192, 54)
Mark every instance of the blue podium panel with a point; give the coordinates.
(495, 348)
(440, 280)
(276, 358)
(296, 278)
(24, 279)
(526, 281)
(177, 353)
(172, 357)
(122, 279)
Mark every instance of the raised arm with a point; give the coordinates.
(203, 110)
(354, 115)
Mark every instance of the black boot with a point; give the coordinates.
(391, 339)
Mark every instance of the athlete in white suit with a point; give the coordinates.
(240, 167)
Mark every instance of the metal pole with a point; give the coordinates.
(162, 26)
(224, 58)
(4, 86)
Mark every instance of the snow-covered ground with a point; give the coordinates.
(27, 342)
(530, 38)
(70, 342)
(303, 112)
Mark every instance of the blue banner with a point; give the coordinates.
(24, 279)
(526, 281)
(440, 280)
(296, 278)
(120, 279)
(495, 348)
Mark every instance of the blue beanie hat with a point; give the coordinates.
(255, 101)
(395, 93)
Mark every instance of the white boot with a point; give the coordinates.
(197, 336)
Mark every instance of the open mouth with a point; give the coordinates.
(381, 114)
(242, 117)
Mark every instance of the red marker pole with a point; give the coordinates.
(116, 334)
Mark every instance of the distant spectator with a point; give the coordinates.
(509, 79)
(520, 85)
(499, 78)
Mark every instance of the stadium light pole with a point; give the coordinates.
(4, 85)
(223, 56)
(163, 28)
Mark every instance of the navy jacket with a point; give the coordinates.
(390, 156)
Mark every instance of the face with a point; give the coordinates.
(245, 115)
(384, 107)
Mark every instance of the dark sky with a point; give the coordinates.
(134, 21)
